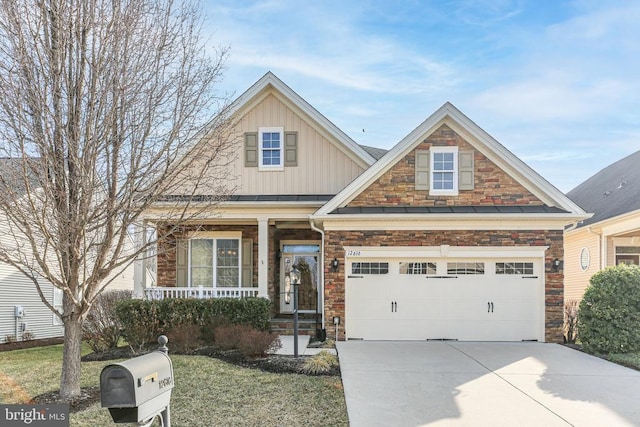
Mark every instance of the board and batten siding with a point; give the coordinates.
(576, 280)
(324, 165)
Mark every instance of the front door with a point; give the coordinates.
(306, 258)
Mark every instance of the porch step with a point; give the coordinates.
(284, 326)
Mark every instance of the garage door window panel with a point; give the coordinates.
(465, 268)
(370, 268)
(428, 268)
(514, 268)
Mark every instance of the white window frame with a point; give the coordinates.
(261, 165)
(215, 237)
(432, 171)
(58, 295)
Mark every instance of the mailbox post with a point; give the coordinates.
(139, 389)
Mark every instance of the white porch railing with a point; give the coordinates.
(158, 293)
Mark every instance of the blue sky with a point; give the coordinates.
(556, 82)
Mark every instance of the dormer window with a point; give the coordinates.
(271, 143)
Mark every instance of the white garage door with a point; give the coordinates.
(491, 299)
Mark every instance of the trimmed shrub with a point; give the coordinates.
(320, 364)
(184, 338)
(102, 329)
(570, 321)
(209, 327)
(140, 323)
(610, 311)
(248, 340)
(144, 320)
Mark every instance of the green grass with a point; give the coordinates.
(630, 360)
(207, 392)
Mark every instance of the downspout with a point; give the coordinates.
(315, 228)
(602, 257)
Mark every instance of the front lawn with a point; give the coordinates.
(630, 360)
(207, 392)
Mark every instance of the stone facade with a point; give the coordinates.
(166, 259)
(335, 241)
(492, 185)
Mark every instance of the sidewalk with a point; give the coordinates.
(303, 342)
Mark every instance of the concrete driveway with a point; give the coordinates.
(484, 384)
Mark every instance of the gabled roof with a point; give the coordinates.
(270, 80)
(472, 133)
(613, 191)
(376, 152)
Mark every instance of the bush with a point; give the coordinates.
(140, 323)
(209, 327)
(609, 315)
(144, 320)
(320, 364)
(570, 321)
(102, 328)
(248, 340)
(184, 339)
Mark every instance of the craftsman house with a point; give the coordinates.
(446, 236)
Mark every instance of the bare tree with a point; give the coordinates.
(100, 104)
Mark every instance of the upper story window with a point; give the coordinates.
(271, 143)
(444, 170)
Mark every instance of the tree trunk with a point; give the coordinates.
(71, 352)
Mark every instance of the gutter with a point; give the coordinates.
(315, 228)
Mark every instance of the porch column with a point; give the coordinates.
(263, 257)
(139, 265)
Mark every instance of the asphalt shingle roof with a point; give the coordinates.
(375, 152)
(613, 191)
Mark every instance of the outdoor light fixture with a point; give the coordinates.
(557, 264)
(335, 264)
(336, 322)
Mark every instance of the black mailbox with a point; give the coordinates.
(138, 389)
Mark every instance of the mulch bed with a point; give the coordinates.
(272, 363)
(18, 345)
(88, 396)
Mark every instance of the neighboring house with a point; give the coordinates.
(35, 318)
(612, 235)
(446, 236)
